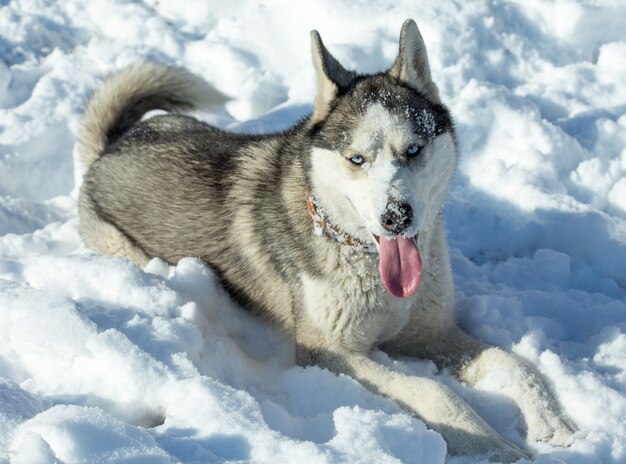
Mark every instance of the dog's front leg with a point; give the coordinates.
(442, 410)
(472, 361)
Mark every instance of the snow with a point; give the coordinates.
(101, 361)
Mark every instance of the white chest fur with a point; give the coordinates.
(350, 306)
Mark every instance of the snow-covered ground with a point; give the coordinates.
(101, 361)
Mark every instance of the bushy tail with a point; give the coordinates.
(126, 96)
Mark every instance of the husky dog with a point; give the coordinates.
(331, 229)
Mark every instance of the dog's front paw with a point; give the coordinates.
(487, 444)
(553, 430)
(508, 455)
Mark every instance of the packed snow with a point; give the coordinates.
(101, 361)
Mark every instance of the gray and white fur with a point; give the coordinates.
(171, 186)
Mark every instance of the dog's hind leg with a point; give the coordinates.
(103, 237)
(465, 432)
(472, 361)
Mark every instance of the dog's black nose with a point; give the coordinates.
(397, 217)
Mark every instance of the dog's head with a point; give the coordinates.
(383, 153)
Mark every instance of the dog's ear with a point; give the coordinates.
(331, 77)
(411, 65)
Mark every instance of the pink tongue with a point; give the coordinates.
(400, 266)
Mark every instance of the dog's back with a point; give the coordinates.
(113, 110)
(172, 186)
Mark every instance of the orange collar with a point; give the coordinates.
(322, 225)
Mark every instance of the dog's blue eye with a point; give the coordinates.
(357, 159)
(413, 151)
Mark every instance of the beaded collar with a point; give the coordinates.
(323, 225)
